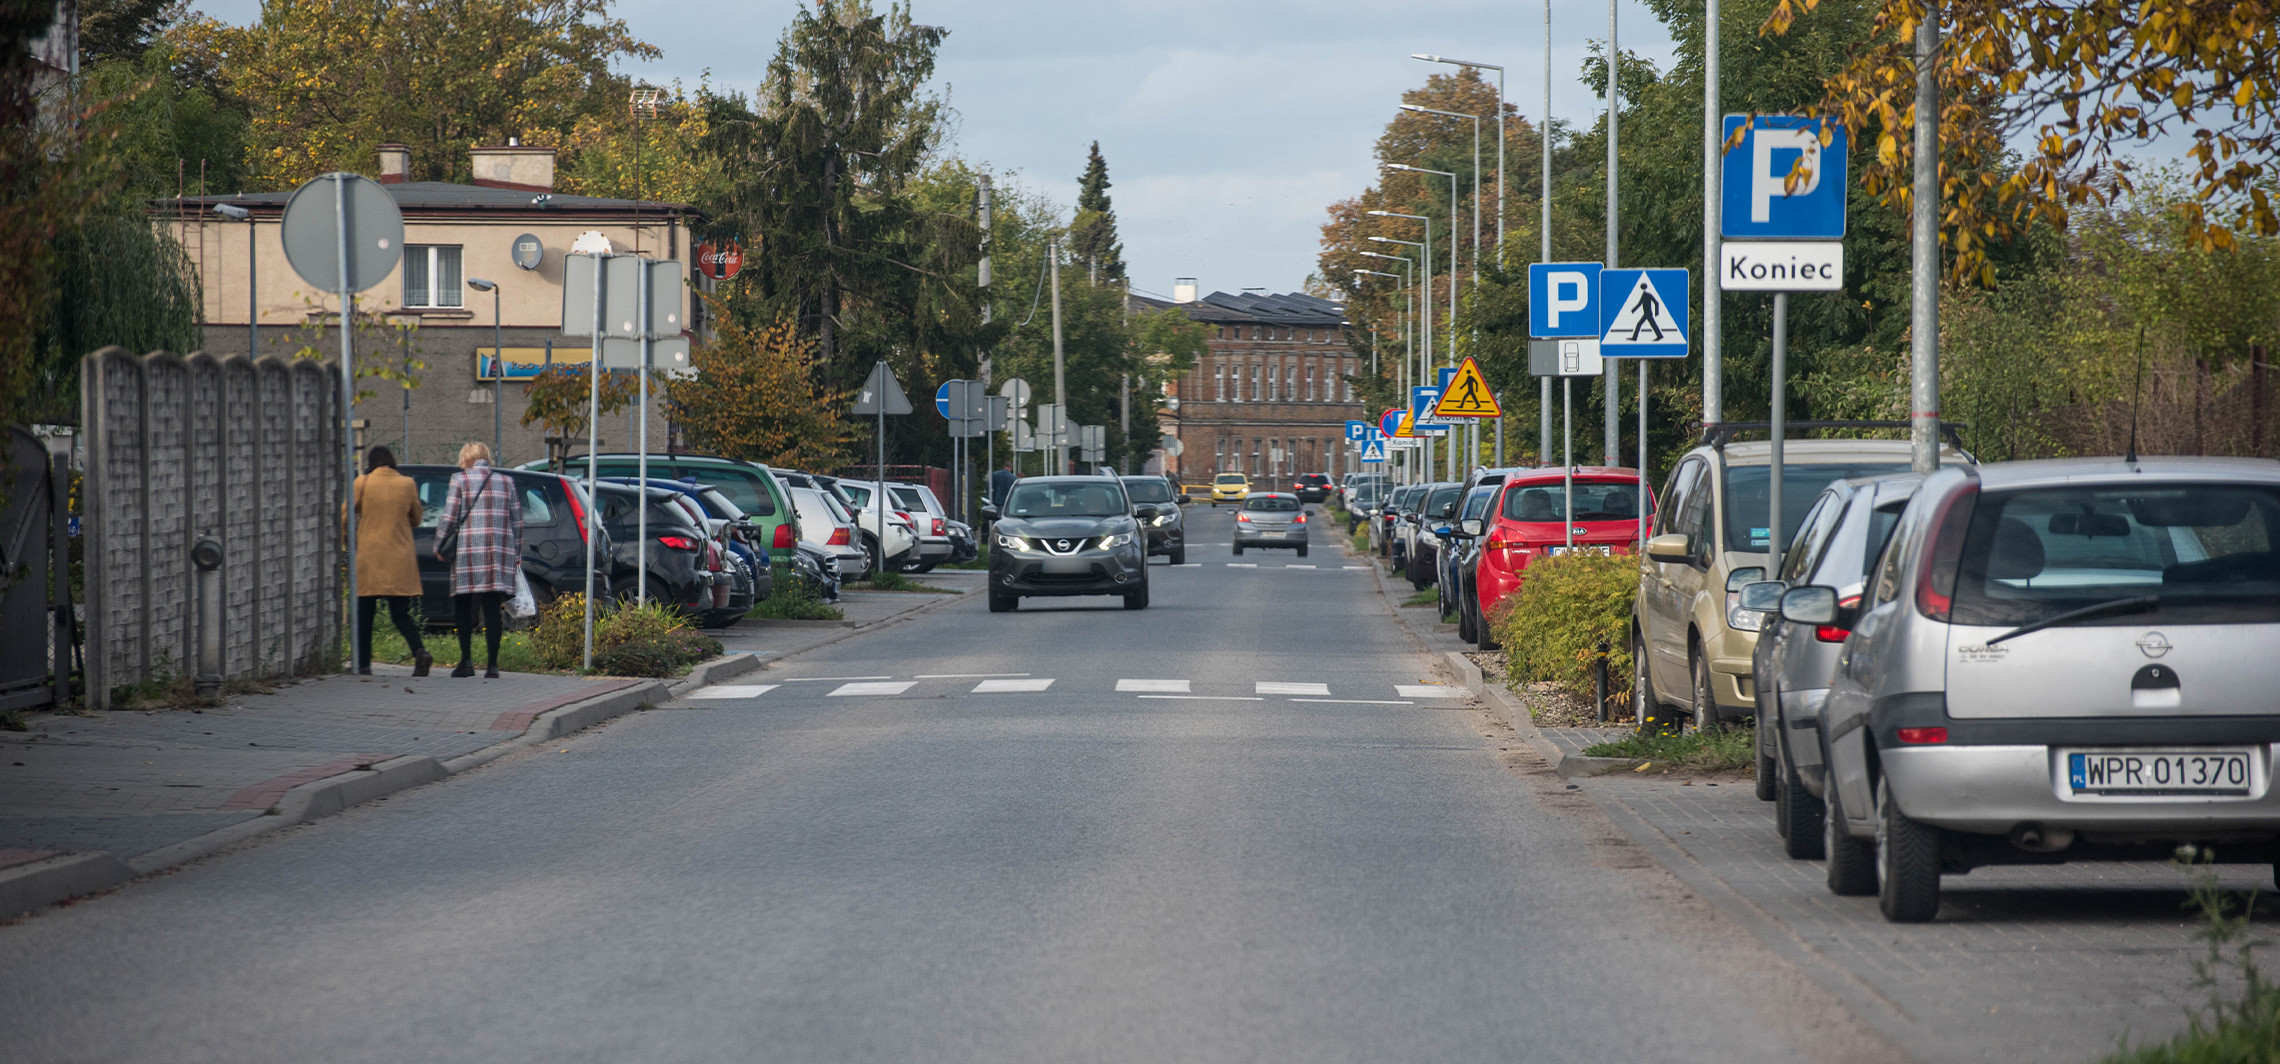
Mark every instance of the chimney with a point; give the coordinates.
(1183, 289)
(395, 164)
(514, 167)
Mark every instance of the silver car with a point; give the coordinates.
(1271, 519)
(1835, 545)
(2056, 660)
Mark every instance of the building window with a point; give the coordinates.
(1310, 382)
(1255, 382)
(1290, 384)
(431, 275)
(1219, 377)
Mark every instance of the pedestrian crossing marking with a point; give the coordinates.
(752, 690)
(857, 690)
(831, 679)
(1242, 565)
(1298, 567)
(1361, 568)
(1007, 687)
(1428, 690)
(1270, 687)
(1360, 701)
(1467, 395)
(959, 675)
(1168, 687)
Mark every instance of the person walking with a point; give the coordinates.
(387, 510)
(481, 536)
(1001, 482)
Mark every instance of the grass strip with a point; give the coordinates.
(1716, 750)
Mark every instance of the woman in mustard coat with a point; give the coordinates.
(387, 510)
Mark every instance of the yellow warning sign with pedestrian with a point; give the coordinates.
(1467, 395)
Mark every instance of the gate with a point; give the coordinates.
(35, 577)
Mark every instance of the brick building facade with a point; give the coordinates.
(1270, 398)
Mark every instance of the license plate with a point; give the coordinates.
(1582, 548)
(2158, 772)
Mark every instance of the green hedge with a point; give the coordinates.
(1566, 606)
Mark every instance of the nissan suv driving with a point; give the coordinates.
(1066, 536)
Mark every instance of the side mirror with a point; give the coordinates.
(1812, 605)
(1671, 547)
(1471, 527)
(1748, 574)
(1763, 596)
(990, 510)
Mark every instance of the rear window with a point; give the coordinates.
(1270, 504)
(1749, 495)
(2208, 551)
(742, 484)
(1595, 500)
(1442, 497)
(908, 498)
(1148, 489)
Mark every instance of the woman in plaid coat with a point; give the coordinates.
(481, 506)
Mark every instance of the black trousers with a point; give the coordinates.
(399, 611)
(492, 604)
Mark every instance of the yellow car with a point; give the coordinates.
(1229, 487)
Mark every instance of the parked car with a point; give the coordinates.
(2053, 661)
(1271, 519)
(965, 545)
(1312, 487)
(1066, 536)
(1524, 524)
(829, 527)
(1362, 502)
(1421, 539)
(932, 520)
(1691, 641)
(747, 565)
(1455, 555)
(752, 487)
(1158, 509)
(899, 533)
(683, 562)
(1835, 545)
(819, 568)
(1229, 487)
(1382, 540)
(554, 512)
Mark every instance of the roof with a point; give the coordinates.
(439, 197)
(1290, 308)
(2108, 469)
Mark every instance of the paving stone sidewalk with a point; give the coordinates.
(2023, 964)
(128, 783)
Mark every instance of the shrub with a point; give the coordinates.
(1566, 607)
(793, 598)
(629, 640)
(558, 640)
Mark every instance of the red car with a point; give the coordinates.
(1523, 524)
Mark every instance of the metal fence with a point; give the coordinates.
(244, 451)
(35, 576)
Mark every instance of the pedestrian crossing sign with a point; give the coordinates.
(1645, 313)
(1373, 451)
(1407, 430)
(1467, 394)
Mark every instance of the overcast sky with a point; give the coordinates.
(1228, 128)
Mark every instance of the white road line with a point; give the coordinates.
(1429, 690)
(1242, 565)
(1003, 687)
(1186, 565)
(1270, 687)
(1360, 701)
(1359, 568)
(1298, 567)
(1167, 687)
(1211, 698)
(960, 675)
(850, 690)
(831, 679)
(736, 691)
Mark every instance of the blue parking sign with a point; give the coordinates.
(1357, 431)
(1563, 300)
(1781, 182)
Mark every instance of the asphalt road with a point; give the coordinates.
(1228, 872)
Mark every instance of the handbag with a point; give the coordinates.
(447, 545)
(523, 604)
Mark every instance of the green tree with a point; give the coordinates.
(1092, 237)
(752, 398)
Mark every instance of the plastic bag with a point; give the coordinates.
(523, 604)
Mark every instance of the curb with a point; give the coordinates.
(39, 884)
(707, 673)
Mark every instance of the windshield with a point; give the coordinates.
(1440, 499)
(1230, 478)
(1097, 499)
(1476, 503)
(1271, 504)
(1148, 489)
(1749, 491)
(2208, 552)
(1595, 500)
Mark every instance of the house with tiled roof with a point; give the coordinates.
(1271, 396)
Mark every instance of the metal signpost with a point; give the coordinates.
(1645, 317)
(1563, 313)
(1782, 214)
(347, 237)
(881, 396)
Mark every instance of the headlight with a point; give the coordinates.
(1164, 519)
(1739, 619)
(1115, 540)
(1012, 542)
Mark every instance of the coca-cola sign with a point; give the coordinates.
(720, 261)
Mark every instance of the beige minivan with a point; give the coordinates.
(1691, 643)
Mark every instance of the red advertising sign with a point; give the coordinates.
(720, 261)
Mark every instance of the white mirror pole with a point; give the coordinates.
(347, 404)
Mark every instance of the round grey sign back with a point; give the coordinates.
(312, 235)
(528, 251)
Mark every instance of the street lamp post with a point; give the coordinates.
(498, 372)
(1408, 308)
(1499, 202)
(1476, 182)
(252, 303)
(1425, 290)
(1452, 323)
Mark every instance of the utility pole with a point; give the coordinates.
(1060, 369)
(1713, 137)
(989, 438)
(1544, 195)
(1924, 285)
(1610, 374)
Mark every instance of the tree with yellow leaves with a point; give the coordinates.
(754, 397)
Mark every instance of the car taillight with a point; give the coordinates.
(678, 542)
(1935, 579)
(1829, 633)
(1300, 520)
(838, 538)
(1244, 518)
(941, 529)
(784, 538)
(577, 510)
(1921, 736)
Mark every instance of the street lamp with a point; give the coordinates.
(252, 302)
(1476, 181)
(1546, 131)
(498, 372)
(1425, 316)
(1409, 309)
(1404, 301)
(1452, 324)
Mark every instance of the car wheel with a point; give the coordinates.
(1137, 600)
(1798, 814)
(1483, 637)
(1179, 554)
(1705, 703)
(1238, 550)
(1648, 710)
(1907, 863)
(1302, 550)
(870, 557)
(1464, 623)
(1765, 766)
(922, 567)
(1851, 862)
(1000, 602)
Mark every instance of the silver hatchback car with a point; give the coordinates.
(2053, 661)
(1271, 519)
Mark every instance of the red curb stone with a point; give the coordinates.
(518, 719)
(264, 795)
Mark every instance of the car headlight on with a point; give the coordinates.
(1164, 519)
(1013, 542)
(1114, 540)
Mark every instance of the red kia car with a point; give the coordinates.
(1524, 524)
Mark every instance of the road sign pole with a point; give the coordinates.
(347, 398)
(1924, 293)
(1713, 365)
(641, 456)
(879, 486)
(1642, 507)
(1780, 412)
(1567, 457)
(1612, 378)
(593, 460)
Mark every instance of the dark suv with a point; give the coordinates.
(683, 560)
(1156, 505)
(1313, 487)
(554, 512)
